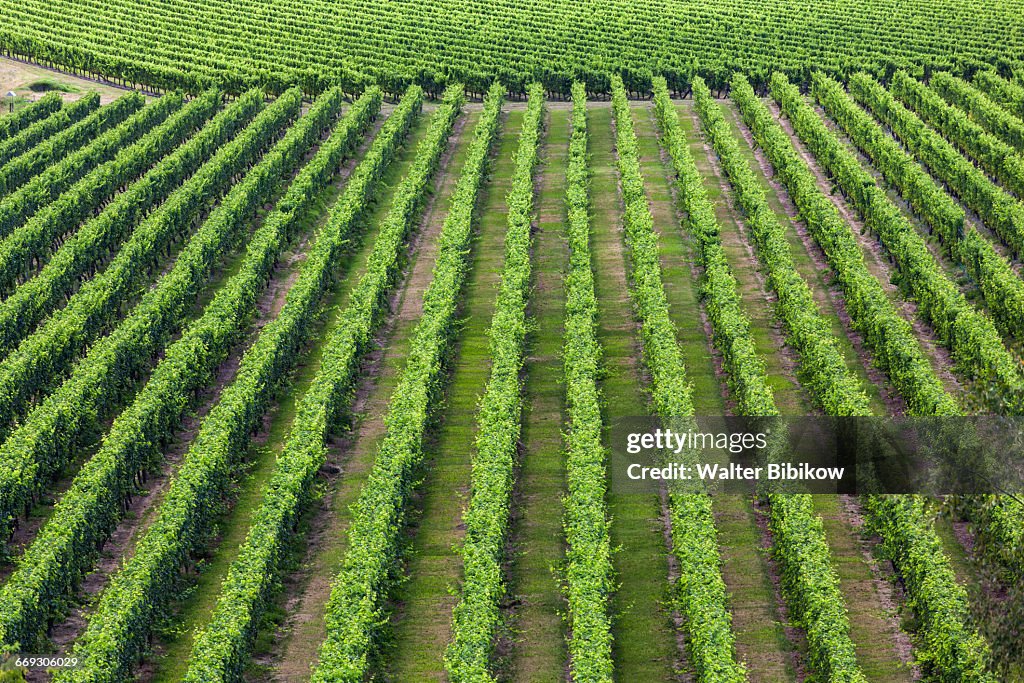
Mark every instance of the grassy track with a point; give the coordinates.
(873, 628)
(422, 623)
(539, 652)
(644, 647)
(196, 609)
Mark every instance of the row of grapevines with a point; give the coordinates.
(39, 131)
(46, 355)
(67, 545)
(995, 156)
(99, 238)
(822, 368)
(935, 597)
(809, 582)
(191, 44)
(1001, 289)
(718, 286)
(891, 338)
(45, 106)
(17, 207)
(130, 609)
(588, 569)
(29, 247)
(1007, 93)
(106, 377)
(19, 171)
(948, 648)
(477, 615)
(701, 589)
(997, 208)
(970, 335)
(358, 593)
(220, 651)
(989, 114)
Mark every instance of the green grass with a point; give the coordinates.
(761, 639)
(195, 610)
(644, 647)
(539, 653)
(422, 624)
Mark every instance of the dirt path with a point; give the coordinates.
(537, 544)
(32, 81)
(288, 653)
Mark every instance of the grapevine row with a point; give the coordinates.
(477, 615)
(128, 610)
(1001, 289)
(995, 156)
(29, 244)
(17, 207)
(701, 589)
(809, 582)
(105, 378)
(39, 131)
(981, 109)
(220, 650)
(717, 285)
(19, 171)
(822, 368)
(588, 572)
(195, 44)
(970, 336)
(890, 337)
(46, 354)
(45, 106)
(66, 547)
(997, 208)
(1007, 93)
(99, 238)
(949, 649)
(945, 642)
(358, 593)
